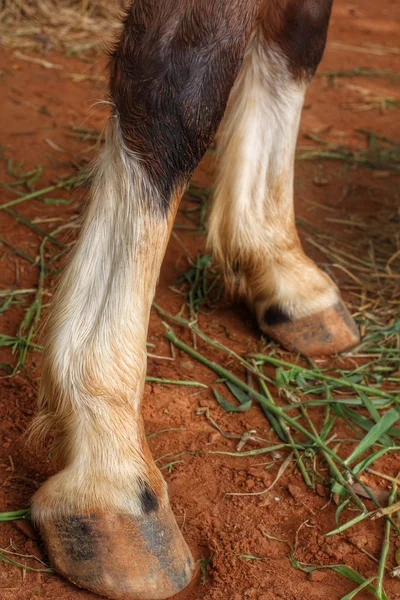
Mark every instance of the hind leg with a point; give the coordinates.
(252, 225)
(105, 516)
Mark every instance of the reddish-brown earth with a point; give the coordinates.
(40, 104)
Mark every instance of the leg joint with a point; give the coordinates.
(171, 74)
(299, 28)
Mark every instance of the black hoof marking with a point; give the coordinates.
(347, 318)
(148, 499)
(160, 541)
(79, 537)
(275, 315)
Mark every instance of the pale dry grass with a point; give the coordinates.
(71, 25)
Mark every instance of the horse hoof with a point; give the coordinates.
(120, 556)
(330, 331)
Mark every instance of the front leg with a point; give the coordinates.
(105, 517)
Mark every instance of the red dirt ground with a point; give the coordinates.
(40, 104)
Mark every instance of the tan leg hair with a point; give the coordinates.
(95, 352)
(252, 227)
(105, 517)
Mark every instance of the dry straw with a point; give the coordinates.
(72, 25)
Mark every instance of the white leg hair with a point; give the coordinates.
(252, 228)
(95, 352)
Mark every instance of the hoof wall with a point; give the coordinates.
(120, 556)
(327, 332)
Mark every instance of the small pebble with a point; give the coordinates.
(359, 541)
(187, 364)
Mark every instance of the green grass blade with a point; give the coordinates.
(374, 434)
(349, 524)
(370, 407)
(339, 510)
(239, 394)
(343, 570)
(229, 407)
(351, 416)
(189, 383)
(366, 462)
(13, 515)
(359, 588)
(10, 561)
